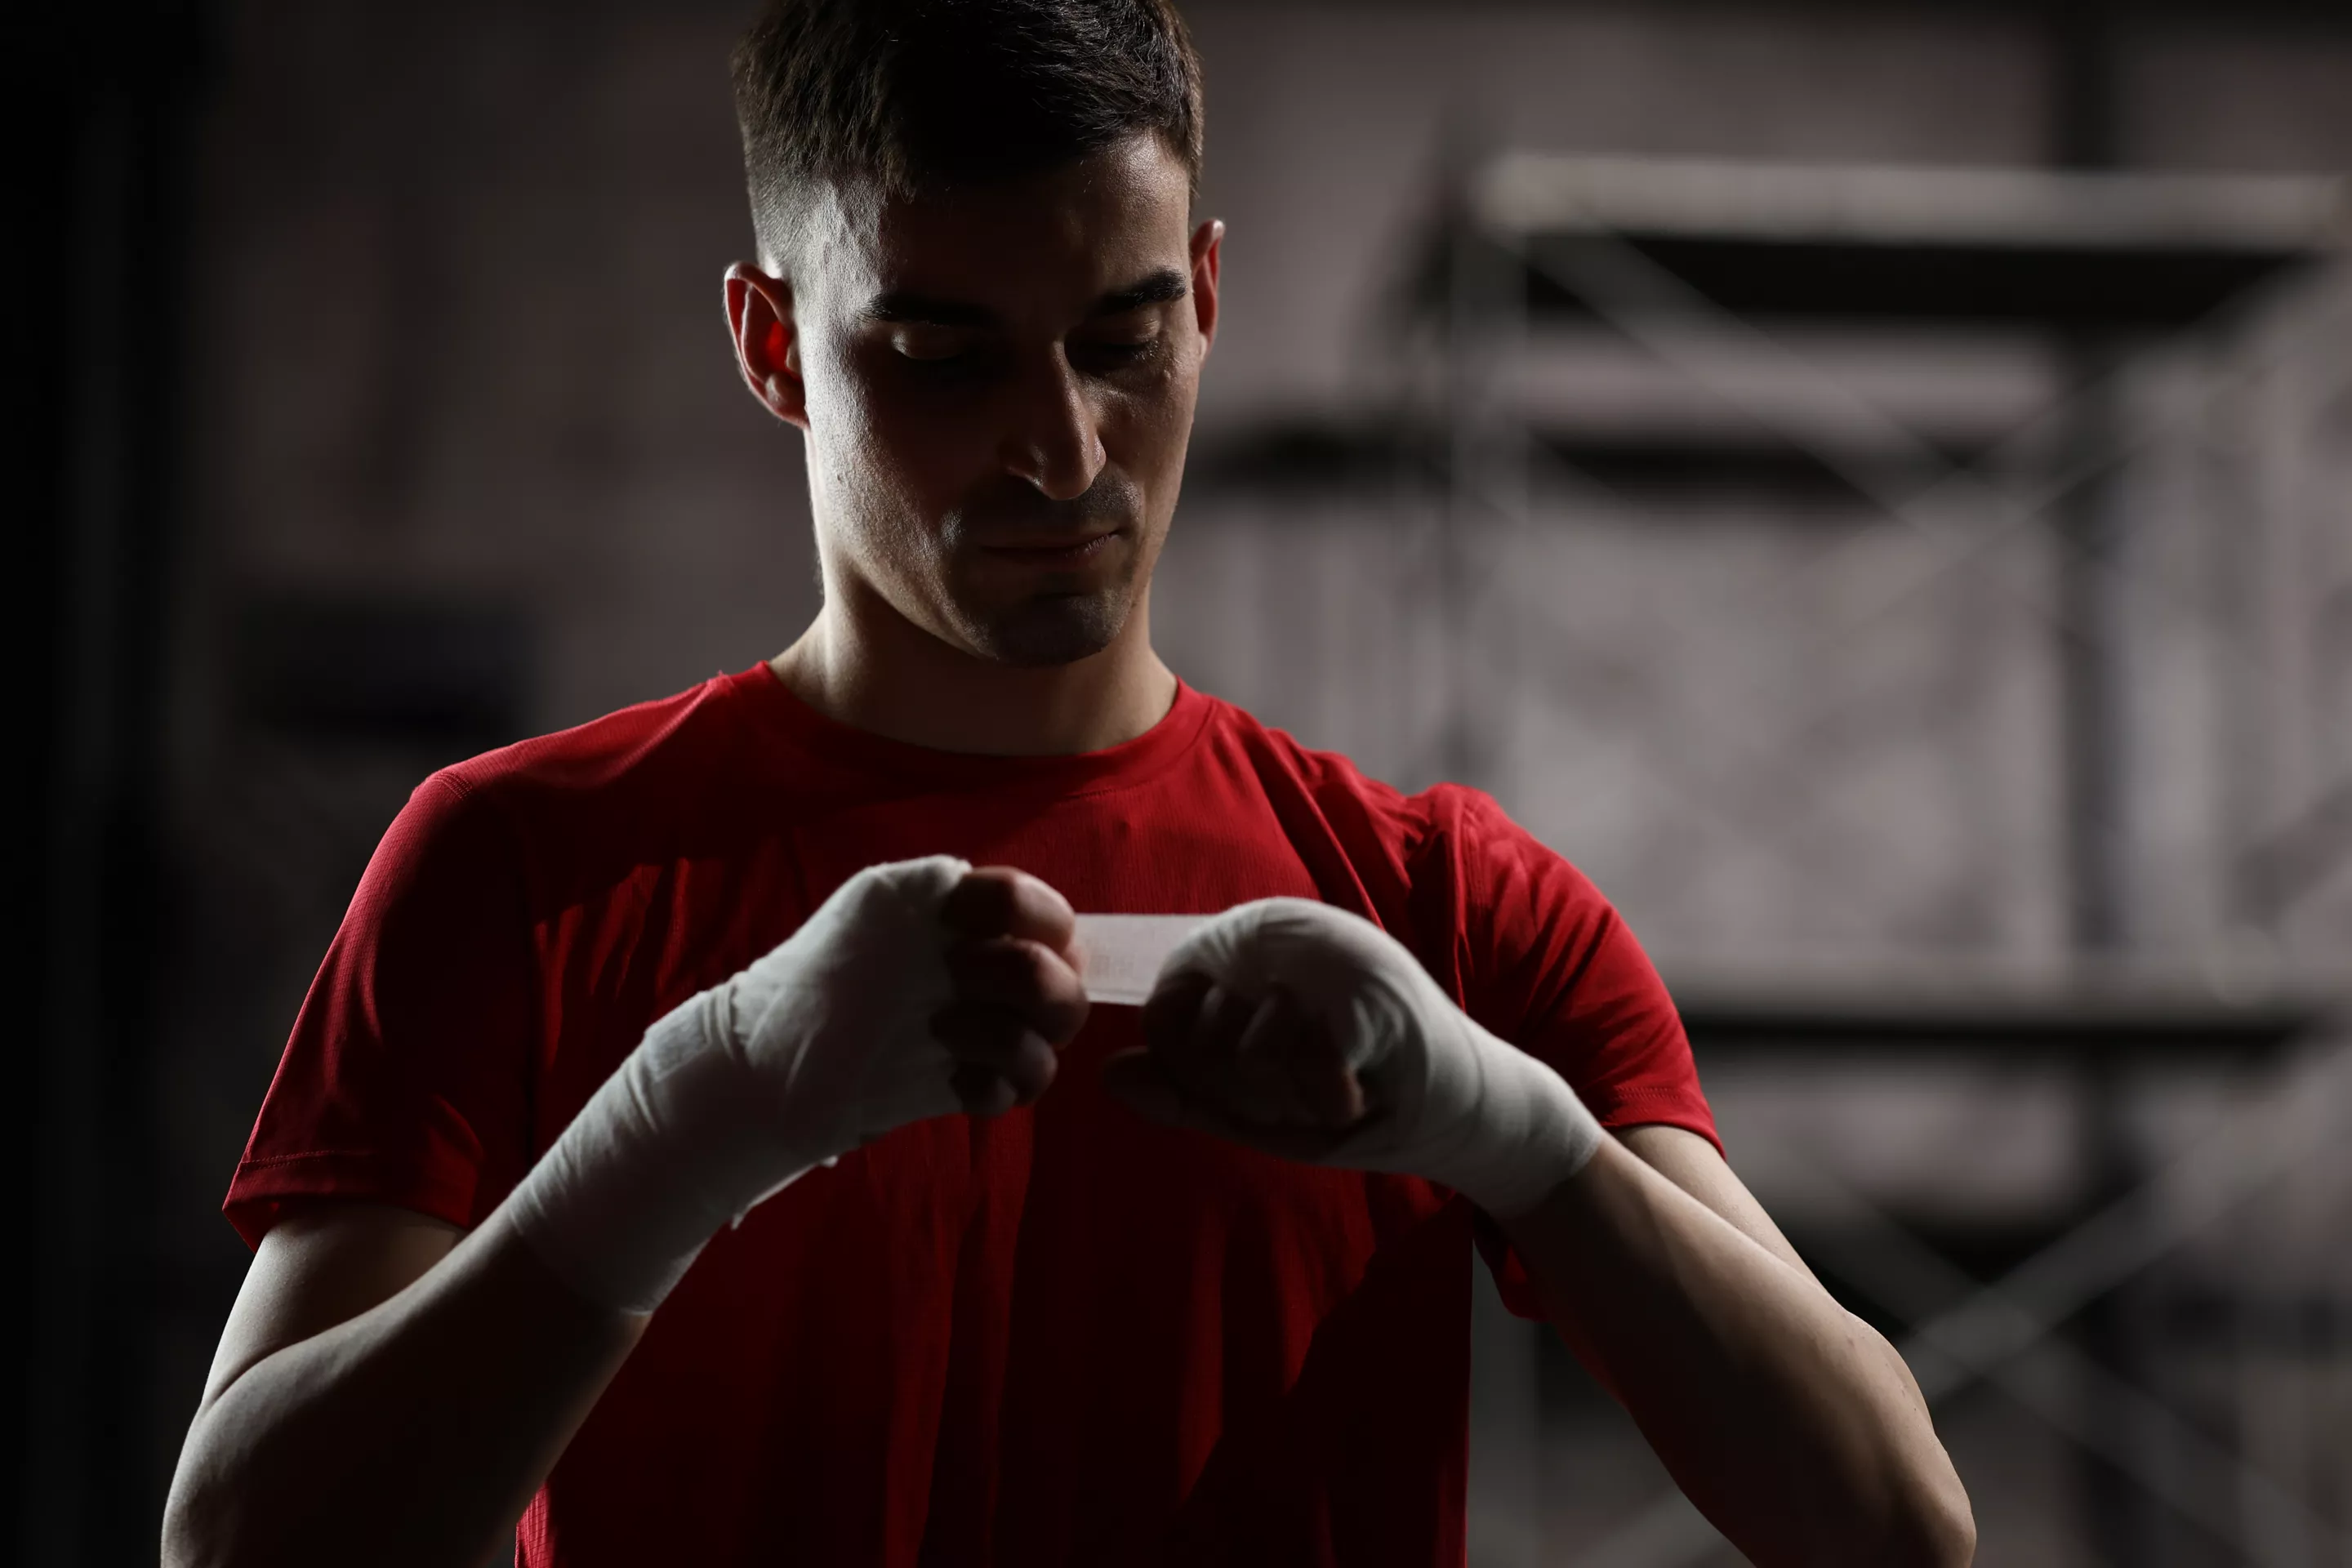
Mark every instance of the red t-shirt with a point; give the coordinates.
(1064, 1336)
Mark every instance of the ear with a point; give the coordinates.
(1208, 243)
(767, 345)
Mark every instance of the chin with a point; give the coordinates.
(1050, 630)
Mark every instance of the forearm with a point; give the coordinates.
(1787, 1422)
(414, 1433)
(1791, 1424)
(380, 1389)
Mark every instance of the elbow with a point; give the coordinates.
(191, 1539)
(196, 1531)
(1936, 1528)
(1924, 1522)
(1941, 1540)
(1947, 1528)
(205, 1532)
(1949, 1540)
(205, 1525)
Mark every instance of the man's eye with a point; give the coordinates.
(931, 349)
(1123, 350)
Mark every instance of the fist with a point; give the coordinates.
(1239, 1052)
(1305, 1031)
(1012, 960)
(1260, 1070)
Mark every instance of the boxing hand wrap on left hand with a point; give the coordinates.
(1449, 1101)
(822, 1046)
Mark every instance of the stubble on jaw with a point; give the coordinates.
(1054, 623)
(1049, 629)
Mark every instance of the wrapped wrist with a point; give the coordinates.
(1533, 1132)
(819, 1046)
(611, 1207)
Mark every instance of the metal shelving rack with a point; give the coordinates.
(2101, 267)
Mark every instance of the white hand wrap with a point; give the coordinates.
(821, 1047)
(1450, 1102)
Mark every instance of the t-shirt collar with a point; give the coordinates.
(842, 747)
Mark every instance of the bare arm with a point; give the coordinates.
(388, 1390)
(1302, 1030)
(1792, 1424)
(396, 1392)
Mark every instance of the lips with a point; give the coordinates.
(1054, 552)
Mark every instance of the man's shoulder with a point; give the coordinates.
(1443, 819)
(1336, 775)
(635, 744)
(620, 786)
(1270, 749)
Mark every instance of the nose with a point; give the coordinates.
(1054, 441)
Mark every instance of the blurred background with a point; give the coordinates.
(1869, 483)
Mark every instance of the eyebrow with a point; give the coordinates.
(1157, 288)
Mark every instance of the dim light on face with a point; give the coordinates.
(1000, 383)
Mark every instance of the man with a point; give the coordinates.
(686, 1151)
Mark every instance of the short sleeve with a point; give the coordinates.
(406, 1080)
(1549, 965)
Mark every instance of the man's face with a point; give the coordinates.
(999, 386)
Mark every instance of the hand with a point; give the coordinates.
(1305, 1031)
(1013, 962)
(1266, 1072)
(918, 989)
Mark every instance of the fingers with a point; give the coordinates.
(1035, 984)
(993, 1049)
(1270, 1061)
(1329, 1093)
(1018, 999)
(1265, 1063)
(998, 901)
(1262, 1063)
(981, 1091)
(1201, 1058)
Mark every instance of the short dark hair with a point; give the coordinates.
(909, 93)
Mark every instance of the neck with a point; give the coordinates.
(870, 667)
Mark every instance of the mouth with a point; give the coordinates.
(1059, 552)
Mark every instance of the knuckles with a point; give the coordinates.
(1023, 975)
(981, 905)
(999, 901)
(1262, 1060)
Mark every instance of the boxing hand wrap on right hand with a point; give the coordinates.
(820, 1047)
(1454, 1104)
